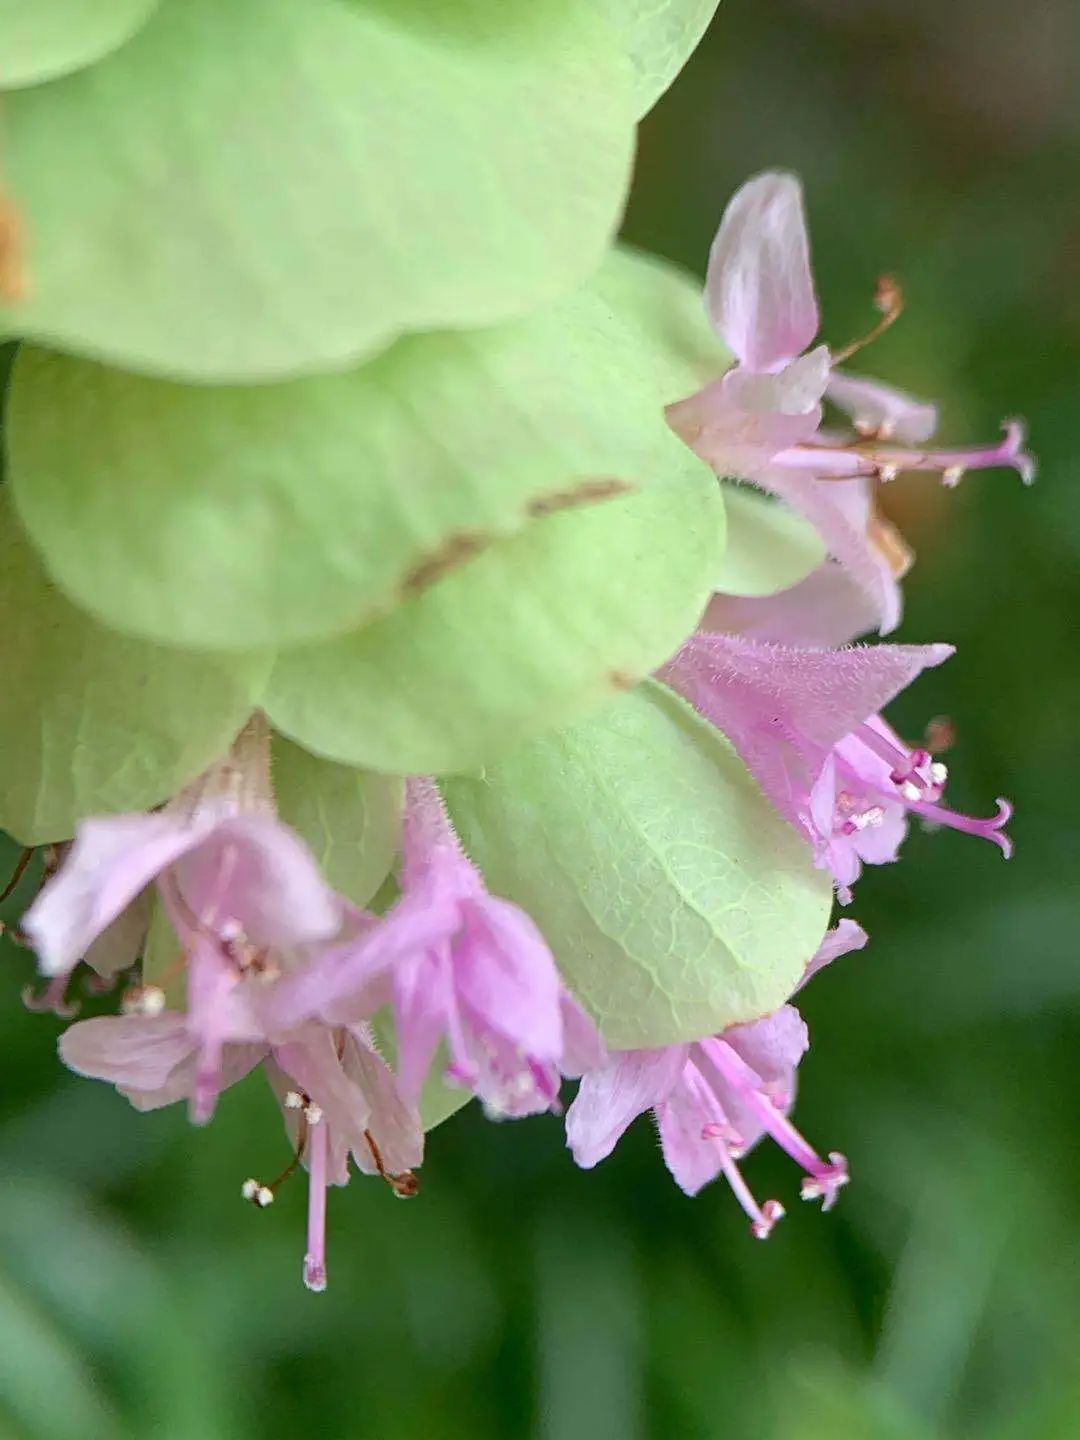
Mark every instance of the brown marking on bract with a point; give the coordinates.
(454, 551)
(587, 492)
(13, 284)
(621, 679)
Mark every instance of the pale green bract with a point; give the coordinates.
(662, 303)
(769, 546)
(246, 516)
(93, 723)
(675, 899)
(660, 36)
(533, 634)
(40, 39)
(350, 819)
(268, 188)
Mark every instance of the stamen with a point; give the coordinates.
(762, 1217)
(143, 1000)
(989, 828)
(729, 1068)
(315, 1255)
(52, 999)
(405, 1185)
(259, 1195)
(828, 1182)
(301, 1100)
(889, 302)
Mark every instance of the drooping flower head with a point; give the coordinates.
(461, 968)
(248, 906)
(713, 1100)
(761, 420)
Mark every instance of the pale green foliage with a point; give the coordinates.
(267, 188)
(350, 818)
(660, 36)
(662, 302)
(769, 546)
(40, 39)
(91, 722)
(675, 899)
(532, 634)
(241, 516)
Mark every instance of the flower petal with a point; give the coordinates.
(881, 410)
(842, 939)
(137, 1052)
(109, 863)
(121, 943)
(692, 1159)
(608, 1099)
(759, 292)
(505, 974)
(737, 441)
(394, 1125)
(822, 611)
(784, 709)
(773, 1045)
(841, 512)
(258, 872)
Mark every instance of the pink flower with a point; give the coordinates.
(761, 420)
(713, 1100)
(805, 723)
(242, 892)
(459, 967)
(336, 1093)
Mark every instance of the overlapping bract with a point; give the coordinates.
(387, 517)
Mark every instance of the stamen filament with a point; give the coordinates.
(19, 871)
(315, 1255)
(889, 301)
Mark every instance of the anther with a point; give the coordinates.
(405, 1185)
(771, 1212)
(143, 1000)
(258, 1195)
(952, 476)
(301, 1100)
(889, 303)
(887, 473)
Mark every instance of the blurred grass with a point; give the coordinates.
(518, 1297)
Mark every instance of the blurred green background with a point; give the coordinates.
(519, 1298)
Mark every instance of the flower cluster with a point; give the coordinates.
(249, 959)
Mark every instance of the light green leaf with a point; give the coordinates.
(662, 303)
(660, 36)
(350, 818)
(674, 897)
(769, 546)
(40, 39)
(244, 516)
(91, 722)
(267, 188)
(534, 633)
